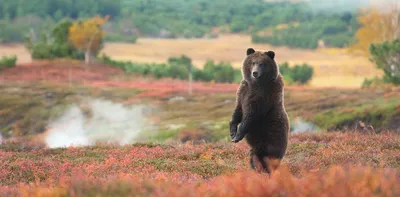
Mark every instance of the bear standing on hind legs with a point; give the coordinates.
(260, 114)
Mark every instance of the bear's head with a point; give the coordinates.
(260, 67)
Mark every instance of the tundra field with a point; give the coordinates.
(334, 164)
(332, 67)
(187, 151)
(135, 98)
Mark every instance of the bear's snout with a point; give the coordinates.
(255, 74)
(256, 71)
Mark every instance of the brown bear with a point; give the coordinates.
(260, 114)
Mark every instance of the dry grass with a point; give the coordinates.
(333, 67)
(16, 49)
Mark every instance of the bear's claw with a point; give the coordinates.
(237, 139)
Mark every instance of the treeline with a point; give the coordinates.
(58, 9)
(177, 18)
(22, 18)
(324, 30)
(190, 18)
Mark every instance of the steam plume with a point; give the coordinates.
(108, 122)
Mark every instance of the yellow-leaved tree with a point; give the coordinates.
(87, 36)
(378, 24)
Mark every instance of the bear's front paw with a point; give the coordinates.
(237, 138)
(239, 134)
(232, 129)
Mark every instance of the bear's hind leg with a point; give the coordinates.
(255, 163)
(274, 163)
(270, 164)
(263, 163)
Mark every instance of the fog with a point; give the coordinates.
(301, 126)
(105, 121)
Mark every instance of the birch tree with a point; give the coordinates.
(87, 36)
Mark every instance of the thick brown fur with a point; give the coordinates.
(260, 114)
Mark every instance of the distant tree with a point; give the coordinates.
(87, 36)
(54, 44)
(62, 47)
(378, 25)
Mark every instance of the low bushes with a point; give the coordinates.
(7, 62)
(178, 68)
(298, 74)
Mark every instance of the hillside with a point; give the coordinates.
(172, 19)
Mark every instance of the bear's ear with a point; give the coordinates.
(270, 54)
(250, 51)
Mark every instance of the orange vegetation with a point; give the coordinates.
(340, 164)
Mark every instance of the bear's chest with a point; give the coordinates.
(253, 103)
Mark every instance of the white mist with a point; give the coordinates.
(107, 122)
(301, 126)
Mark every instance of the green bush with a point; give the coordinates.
(200, 75)
(302, 73)
(299, 74)
(386, 57)
(56, 45)
(224, 73)
(7, 62)
(159, 70)
(221, 72)
(179, 67)
(284, 69)
(178, 71)
(143, 69)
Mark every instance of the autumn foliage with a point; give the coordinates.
(377, 25)
(339, 164)
(87, 36)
